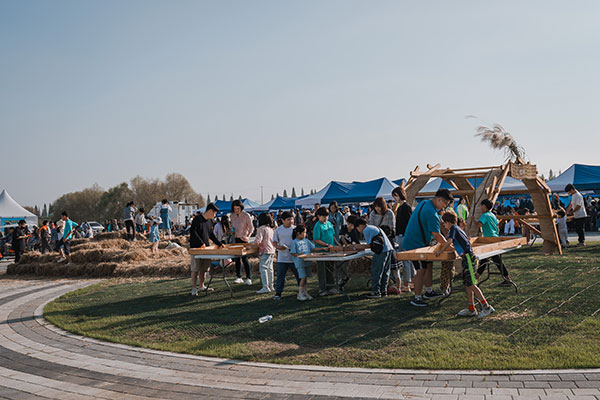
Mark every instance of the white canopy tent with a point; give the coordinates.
(11, 211)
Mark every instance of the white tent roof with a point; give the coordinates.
(10, 209)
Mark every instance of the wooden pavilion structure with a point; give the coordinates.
(492, 180)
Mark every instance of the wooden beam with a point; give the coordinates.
(521, 217)
(537, 231)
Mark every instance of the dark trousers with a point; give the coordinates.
(45, 246)
(282, 268)
(380, 272)
(239, 261)
(130, 227)
(579, 225)
(18, 251)
(499, 263)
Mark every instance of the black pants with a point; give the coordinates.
(129, 225)
(499, 263)
(239, 261)
(579, 225)
(45, 247)
(18, 252)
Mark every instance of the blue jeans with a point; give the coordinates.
(282, 268)
(380, 272)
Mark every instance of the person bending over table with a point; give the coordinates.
(424, 220)
(380, 269)
(201, 231)
(488, 223)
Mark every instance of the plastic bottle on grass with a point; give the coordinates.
(264, 319)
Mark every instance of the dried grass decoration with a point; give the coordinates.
(499, 139)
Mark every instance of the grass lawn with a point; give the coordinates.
(553, 322)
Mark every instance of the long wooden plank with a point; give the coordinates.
(480, 246)
(239, 249)
(533, 228)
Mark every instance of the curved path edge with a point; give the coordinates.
(42, 360)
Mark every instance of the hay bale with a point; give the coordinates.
(87, 256)
(115, 244)
(30, 257)
(75, 242)
(135, 255)
(110, 235)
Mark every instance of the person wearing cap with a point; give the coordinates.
(154, 236)
(201, 233)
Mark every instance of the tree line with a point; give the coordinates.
(96, 204)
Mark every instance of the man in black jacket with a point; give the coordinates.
(200, 233)
(19, 240)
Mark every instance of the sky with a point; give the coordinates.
(236, 95)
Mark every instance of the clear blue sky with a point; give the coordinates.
(239, 94)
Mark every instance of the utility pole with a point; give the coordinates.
(261, 195)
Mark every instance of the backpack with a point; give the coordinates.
(378, 243)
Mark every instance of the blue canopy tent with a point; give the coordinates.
(225, 206)
(349, 192)
(510, 184)
(583, 177)
(278, 203)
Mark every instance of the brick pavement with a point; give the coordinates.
(38, 360)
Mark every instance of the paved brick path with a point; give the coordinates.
(38, 360)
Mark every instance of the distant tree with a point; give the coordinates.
(208, 198)
(302, 192)
(223, 197)
(231, 197)
(31, 210)
(272, 197)
(81, 206)
(240, 197)
(559, 172)
(542, 176)
(285, 193)
(37, 210)
(45, 211)
(551, 175)
(113, 201)
(177, 188)
(294, 192)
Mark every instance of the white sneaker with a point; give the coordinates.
(238, 280)
(271, 288)
(263, 291)
(194, 292)
(248, 282)
(61, 259)
(467, 313)
(301, 297)
(486, 311)
(308, 296)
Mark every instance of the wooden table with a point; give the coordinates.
(221, 254)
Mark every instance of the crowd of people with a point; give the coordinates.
(283, 237)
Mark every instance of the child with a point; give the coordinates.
(563, 232)
(324, 238)
(301, 245)
(264, 241)
(462, 245)
(154, 236)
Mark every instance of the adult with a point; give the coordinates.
(336, 218)
(200, 233)
(68, 232)
(380, 268)
(577, 209)
(425, 220)
(165, 216)
(382, 216)
(488, 223)
(324, 238)
(311, 220)
(282, 240)
(243, 228)
(45, 236)
(129, 217)
(19, 239)
(403, 212)
(462, 211)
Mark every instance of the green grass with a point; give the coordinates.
(550, 323)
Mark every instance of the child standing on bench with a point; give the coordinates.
(462, 245)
